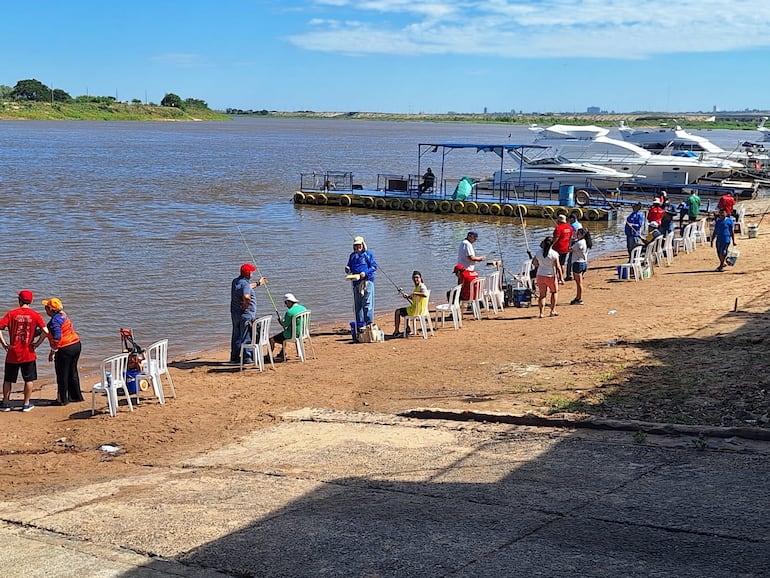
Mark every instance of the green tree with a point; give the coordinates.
(171, 99)
(5, 91)
(31, 90)
(195, 103)
(60, 96)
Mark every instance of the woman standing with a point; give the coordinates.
(580, 262)
(548, 275)
(65, 352)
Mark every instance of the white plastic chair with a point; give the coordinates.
(493, 293)
(477, 290)
(657, 258)
(300, 330)
(700, 232)
(632, 269)
(422, 317)
(156, 366)
(260, 337)
(452, 307)
(668, 248)
(523, 278)
(687, 241)
(116, 367)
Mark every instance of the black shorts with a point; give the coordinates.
(402, 311)
(563, 258)
(279, 338)
(28, 371)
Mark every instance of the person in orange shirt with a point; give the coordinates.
(26, 330)
(65, 351)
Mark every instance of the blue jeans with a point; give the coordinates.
(363, 302)
(241, 334)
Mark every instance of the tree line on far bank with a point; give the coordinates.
(35, 91)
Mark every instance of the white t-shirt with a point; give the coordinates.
(545, 267)
(580, 252)
(465, 253)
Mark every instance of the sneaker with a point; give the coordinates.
(5, 406)
(576, 302)
(27, 407)
(397, 334)
(408, 330)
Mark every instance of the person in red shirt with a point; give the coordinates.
(656, 212)
(464, 278)
(562, 237)
(726, 202)
(26, 330)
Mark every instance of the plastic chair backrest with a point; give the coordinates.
(454, 295)
(636, 254)
(260, 334)
(116, 366)
(477, 288)
(300, 326)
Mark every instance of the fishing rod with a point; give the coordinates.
(254, 261)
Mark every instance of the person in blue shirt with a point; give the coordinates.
(724, 234)
(243, 311)
(633, 229)
(361, 263)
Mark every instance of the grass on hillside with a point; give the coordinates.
(10, 110)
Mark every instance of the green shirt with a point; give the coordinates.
(290, 314)
(694, 202)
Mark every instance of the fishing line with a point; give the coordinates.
(254, 261)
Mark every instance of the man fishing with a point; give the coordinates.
(360, 269)
(243, 311)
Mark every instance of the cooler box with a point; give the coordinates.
(522, 297)
(131, 374)
(622, 272)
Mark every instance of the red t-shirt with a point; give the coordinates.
(655, 214)
(21, 324)
(561, 238)
(726, 202)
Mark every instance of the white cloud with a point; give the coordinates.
(624, 29)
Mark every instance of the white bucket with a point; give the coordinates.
(753, 230)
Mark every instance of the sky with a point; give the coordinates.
(400, 56)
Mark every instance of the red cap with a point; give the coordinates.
(26, 296)
(458, 268)
(247, 269)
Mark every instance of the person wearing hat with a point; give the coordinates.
(656, 212)
(23, 324)
(466, 254)
(361, 268)
(65, 351)
(293, 308)
(243, 311)
(464, 278)
(653, 232)
(562, 240)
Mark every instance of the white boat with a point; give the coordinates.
(591, 144)
(672, 141)
(543, 167)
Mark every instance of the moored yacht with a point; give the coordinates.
(591, 144)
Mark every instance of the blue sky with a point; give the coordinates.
(405, 56)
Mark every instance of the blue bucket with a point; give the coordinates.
(567, 195)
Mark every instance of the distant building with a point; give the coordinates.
(593, 110)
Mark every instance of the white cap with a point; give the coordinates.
(290, 297)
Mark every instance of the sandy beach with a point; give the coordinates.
(687, 346)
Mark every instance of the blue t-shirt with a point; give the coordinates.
(722, 228)
(240, 287)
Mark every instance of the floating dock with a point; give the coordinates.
(388, 201)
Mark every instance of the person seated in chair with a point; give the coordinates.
(420, 291)
(464, 277)
(428, 179)
(652, 234)
(293, 308)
